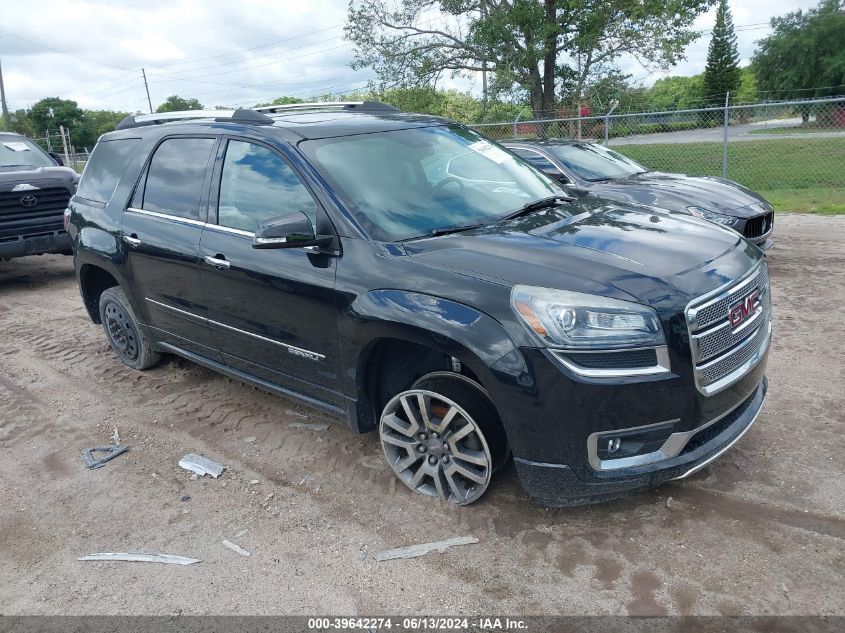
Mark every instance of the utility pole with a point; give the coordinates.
(484, 71)
(3, 102)
(147, 88)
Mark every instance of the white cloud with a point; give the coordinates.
(223, 52)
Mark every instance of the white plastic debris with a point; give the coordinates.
(201, 465)
(413, 551)
(235, 548)
(167, 559)
(310, 426)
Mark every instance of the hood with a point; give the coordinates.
(599, 248)
(675, 192)
(37, 177)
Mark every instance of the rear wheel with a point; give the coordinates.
(442, 438)
(122, 331)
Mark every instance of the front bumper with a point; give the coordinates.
(560, 485)
(40, 244)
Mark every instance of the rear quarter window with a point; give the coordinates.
(105, 167)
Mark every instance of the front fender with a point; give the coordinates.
(440, 323)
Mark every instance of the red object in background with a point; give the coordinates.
(839, 117)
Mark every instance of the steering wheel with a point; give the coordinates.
(447, 181)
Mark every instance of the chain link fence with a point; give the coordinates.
(793, 152)
(52, 143)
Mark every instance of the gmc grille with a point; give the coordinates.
(759, 226)
(722, 352)
(44, 214)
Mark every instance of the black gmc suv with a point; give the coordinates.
(34, 193)
(411, 277)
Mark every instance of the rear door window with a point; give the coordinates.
(176, 175)
(105, 167)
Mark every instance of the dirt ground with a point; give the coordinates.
(758, 532)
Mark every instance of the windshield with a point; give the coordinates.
(18, 150)
(407, 183)
(595, 162)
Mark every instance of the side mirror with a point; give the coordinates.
(293, 230)
(57, 157)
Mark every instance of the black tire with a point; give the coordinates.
(474, 399)
(121, 326)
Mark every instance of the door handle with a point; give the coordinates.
(218, 261)
(132, 240)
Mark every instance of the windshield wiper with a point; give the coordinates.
(455, 229)
(542, 203)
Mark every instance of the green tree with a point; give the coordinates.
(676, 93)
(175, 103)
(805, 54)
(50, 113)
(21, 123)
(94, 124)
(748, 91)
(530, 46)
(721, 74)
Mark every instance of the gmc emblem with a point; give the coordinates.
(742, 310)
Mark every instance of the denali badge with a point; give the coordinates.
(304, 353)
(742, 310)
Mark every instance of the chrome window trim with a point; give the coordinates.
(672, 447)
(228, 229)
(663, 365)
(166, 216)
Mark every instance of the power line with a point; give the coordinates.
(55, 50)
(244, 61)
(241, 51)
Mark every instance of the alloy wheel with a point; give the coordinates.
(435, 447)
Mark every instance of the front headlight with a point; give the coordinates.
(701, 212)
(574, 320)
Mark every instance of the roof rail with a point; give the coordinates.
(233, 116)
(348, 106)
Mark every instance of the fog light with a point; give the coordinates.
(619, 444)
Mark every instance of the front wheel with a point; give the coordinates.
(122, 331)
(442, 438)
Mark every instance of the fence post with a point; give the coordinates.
(515, 121)
(64, 144)
(725, 137)
(607, 120)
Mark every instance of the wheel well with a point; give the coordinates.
(93, 280)
(393, 365)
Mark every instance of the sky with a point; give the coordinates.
(231, 53)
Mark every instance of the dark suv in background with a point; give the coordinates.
(34, 193)
(589, 168)
(410, 277)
